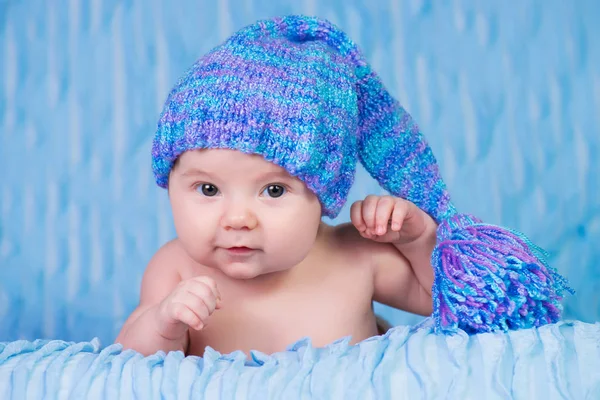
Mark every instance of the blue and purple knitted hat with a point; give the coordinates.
(299, 92)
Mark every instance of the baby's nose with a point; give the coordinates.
(239, 218)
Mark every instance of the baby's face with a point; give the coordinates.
(241, 214)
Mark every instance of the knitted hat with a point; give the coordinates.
(299, 92)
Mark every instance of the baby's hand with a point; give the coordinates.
(190, 304)
(374, 216)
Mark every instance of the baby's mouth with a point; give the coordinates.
(240, 250)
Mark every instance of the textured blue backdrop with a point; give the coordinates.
(508, 94)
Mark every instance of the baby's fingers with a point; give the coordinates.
(385, 206)
(368, 211)
(210, 283)
(184, 314)
(203, 294)
(356, 216)
(399, 214)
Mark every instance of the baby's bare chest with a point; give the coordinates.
(325, 307)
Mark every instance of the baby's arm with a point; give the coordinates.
(403, 275)
(403, 237)
(141, 331)
(168, 306)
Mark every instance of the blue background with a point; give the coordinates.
(507, 93)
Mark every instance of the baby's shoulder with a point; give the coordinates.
(346, 239)
(163, 272)
(171, 249)
(346, 236)
(171, 256)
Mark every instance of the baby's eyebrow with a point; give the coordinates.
(194, 172)
(274, 175)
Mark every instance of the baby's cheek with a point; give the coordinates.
(197, 237)
(289, 246)
(199, 251)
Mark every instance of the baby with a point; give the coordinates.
(257, 142)
(254, 268)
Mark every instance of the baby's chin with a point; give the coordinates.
(247, 271)
(240, 271)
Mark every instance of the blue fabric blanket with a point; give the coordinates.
(556, 361)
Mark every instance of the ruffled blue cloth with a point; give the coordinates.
(560, 360)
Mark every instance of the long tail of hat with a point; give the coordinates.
(487, 278)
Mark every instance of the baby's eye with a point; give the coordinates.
(274, 191)
(208, 189)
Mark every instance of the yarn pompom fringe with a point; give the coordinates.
(490, 279)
